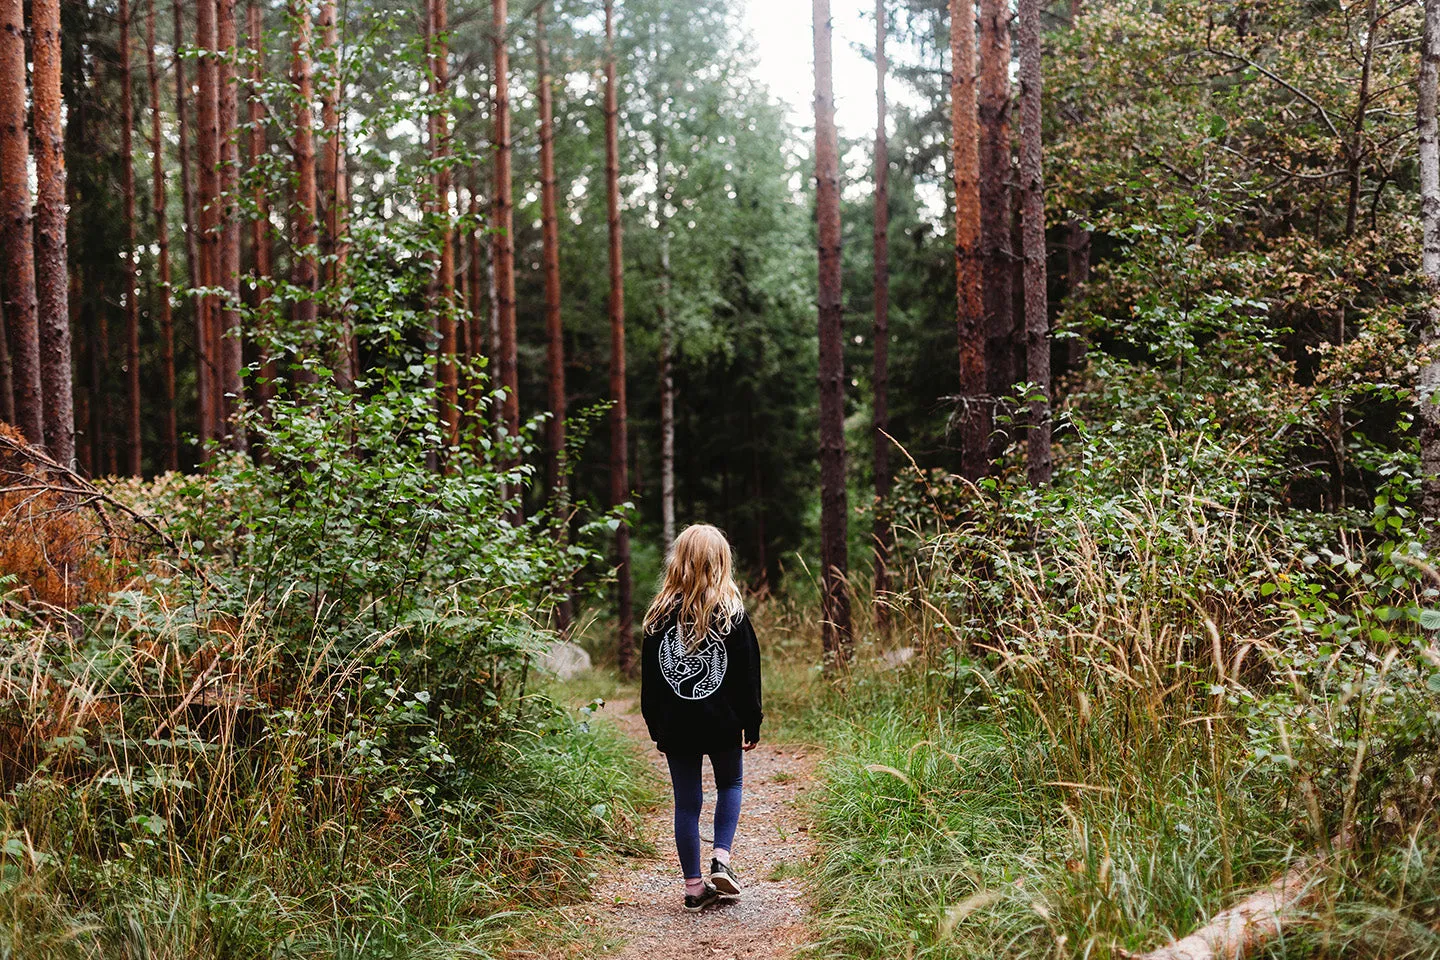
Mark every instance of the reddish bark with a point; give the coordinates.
(183, 95)
(52, 281)
(625, 654)
(261, 235)
(207, 157)
(550, 255)
(170, 447)
(304, 227)
(1032, 242)
(21, 330)
(996, 241)
(335, 192)
(504, 225)
(883, 535)
(132, 308)
(228, 329)
(969, 299)
(836, 634)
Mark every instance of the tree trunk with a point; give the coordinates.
(667, 336)
(52, 278)
(1427, 406)
(619, 441)
(7, 393)
(834, 564)
(261, 240)
(183, 95)
(334, 196)
(504, 225)
(996, 240)
(550, 237)
(969, 258)
(444, 307)
(228, 331)
(127, 191)
(207, 156)
(881, 531)
(1032, 236)
(169, 437)
(304, 271)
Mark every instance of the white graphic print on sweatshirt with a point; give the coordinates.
(693, 676)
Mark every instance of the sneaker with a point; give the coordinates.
(724, 879)
(698, 902)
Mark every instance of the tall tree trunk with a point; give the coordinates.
(996, 240)
(169, 437)
(477, 344)
(207, 157)
(132, 307)
(231, 346)
(183, 95)
(446, 370)
(554, 327)
(969, 258)
(550, 239)
(667, 333)
(7, 393)
(1032, 237)
(1428, 396)
(335, 194)
(304, 226)
(261, 239)
(619, 440)
(834, 563)
(504, 224)
(52, 278)
(880, 530)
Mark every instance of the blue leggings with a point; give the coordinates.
(690, 796)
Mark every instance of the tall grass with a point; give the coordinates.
(174, 797)
(1126, 710)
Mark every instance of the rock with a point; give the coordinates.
(566, 660)
(894, 658)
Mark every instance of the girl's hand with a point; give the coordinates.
(748, 746)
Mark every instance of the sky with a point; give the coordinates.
(784, 47)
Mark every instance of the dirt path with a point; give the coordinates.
(640, 903)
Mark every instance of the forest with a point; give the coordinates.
(1068, 406)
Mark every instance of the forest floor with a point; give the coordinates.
(638, 906)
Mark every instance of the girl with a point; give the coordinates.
(700, 694)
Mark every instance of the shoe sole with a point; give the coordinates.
(724, 884)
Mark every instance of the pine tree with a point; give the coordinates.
(22, 332)
(550, 253)
(997, 244)
(445, 278)
(1032, 243)
(504, 225)
(169, 439)
(834, 599)
(304, 226)
(228, 327)
(881, 531)
(52, 279)
(207, 158)
(625, 654)
(132, 306)
(969, 299)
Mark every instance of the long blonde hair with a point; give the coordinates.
(699, 586)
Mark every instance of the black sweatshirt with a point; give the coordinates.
(702, 701)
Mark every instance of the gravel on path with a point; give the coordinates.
(639, 903)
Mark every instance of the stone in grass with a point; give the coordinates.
(566, 660)
(896, 658)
